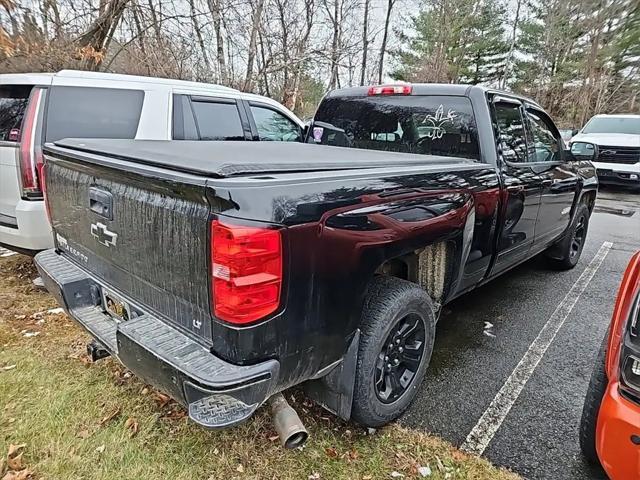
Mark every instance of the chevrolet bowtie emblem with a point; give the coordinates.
(103, 234)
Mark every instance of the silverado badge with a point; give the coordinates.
(103, 234)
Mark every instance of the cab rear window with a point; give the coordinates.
(423, 124)
(13, 103)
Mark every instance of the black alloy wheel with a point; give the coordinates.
(579, 236)
(400, 358)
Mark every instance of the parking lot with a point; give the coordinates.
(484, 376)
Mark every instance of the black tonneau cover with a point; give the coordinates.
(225, 159)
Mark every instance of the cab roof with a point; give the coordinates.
(454, 89)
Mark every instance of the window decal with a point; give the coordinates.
(438, 121)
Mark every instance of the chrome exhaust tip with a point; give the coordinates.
(287, 423)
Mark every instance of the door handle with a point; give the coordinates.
(101, 202)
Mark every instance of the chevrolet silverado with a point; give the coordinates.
(226, 272)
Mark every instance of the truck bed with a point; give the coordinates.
(227, 159)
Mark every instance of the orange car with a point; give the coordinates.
(610, 425)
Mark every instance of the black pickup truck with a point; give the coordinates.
(226, 272)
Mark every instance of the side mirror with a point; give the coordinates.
(584, 151)
(327, 134)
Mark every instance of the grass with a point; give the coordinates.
(81, 420)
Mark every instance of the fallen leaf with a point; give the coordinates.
(395, 474)
(162, 399)
(30, 334)
(240, 469)
(15, 462)
(113, 414)
(84, 433)
(100, 449)
(21, 475)
(371, 431)
(367, 477)
(144, 391)
(274, 438)
(132, 425)
(19, 317)
(331, 452)
(15, 449)
(314, 476)
(216, 451)
(353, 455)
(55, 311)
(176, 414)
(9, 367)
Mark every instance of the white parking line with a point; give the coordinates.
(490, 421)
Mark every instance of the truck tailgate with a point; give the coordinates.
(143, 236)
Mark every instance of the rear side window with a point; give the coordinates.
(88, 112)
(424, 124)
(13, 103)
(217, 120)
(511, 132)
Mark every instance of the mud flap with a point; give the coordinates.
(334, 391)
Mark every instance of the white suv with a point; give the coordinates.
(40, 108)
(618, 140)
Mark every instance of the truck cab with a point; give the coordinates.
(542, 182)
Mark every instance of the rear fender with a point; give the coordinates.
(429, 233)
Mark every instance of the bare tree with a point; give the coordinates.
(216, 7)
(365, 42)
(93, 43)
(385, 38)
(198, 32)
(512, 46)
(255, 26)
(334, 12)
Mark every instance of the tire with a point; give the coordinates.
(565, 254)
(593, 400)
(391, 307)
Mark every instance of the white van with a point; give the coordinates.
(44, 107)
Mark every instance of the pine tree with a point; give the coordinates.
(455, 41)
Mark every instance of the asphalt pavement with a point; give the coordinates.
(513, 359)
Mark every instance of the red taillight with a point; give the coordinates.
(30, 148)
(246, 265)
(43, 184)
(390, 90)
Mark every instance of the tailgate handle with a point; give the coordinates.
(101, 202)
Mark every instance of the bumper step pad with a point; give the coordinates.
(217, 393)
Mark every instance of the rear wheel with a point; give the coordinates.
(592, 402)
(396, 342)
(565, 254)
